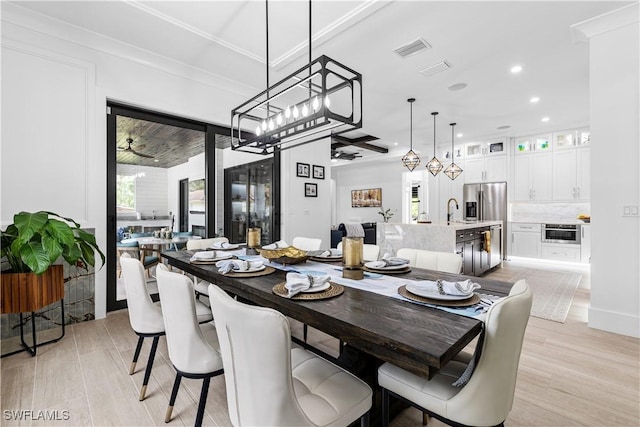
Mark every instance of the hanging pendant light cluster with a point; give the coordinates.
(453, 170)
(411, 159)
(434, 166)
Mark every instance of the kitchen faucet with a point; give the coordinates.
(449, 214)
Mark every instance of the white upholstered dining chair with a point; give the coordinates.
(447, 262)
(145, 317)
(306, 243)
(269, 383)
(193, 348)
(487, 397)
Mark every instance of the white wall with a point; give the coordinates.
(385, 175)
(614, 110)
(192, 170)
(306, 216)
(151, 189)
(49, 73)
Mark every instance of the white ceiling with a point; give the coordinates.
(481, 40)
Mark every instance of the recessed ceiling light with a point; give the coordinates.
(457, 86)
(516, 69)
(503, 127)
(459, 135)
(534, 100)
(395, 143)
(545, 119)
(334, 160)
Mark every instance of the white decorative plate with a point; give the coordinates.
(371, 265)
(319, 288)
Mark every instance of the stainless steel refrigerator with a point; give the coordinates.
(487, 202)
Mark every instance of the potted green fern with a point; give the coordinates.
(31, 246)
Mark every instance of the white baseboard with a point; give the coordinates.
(611, 321)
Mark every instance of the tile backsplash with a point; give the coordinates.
(547, 212)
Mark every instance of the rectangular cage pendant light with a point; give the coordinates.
(321, 99)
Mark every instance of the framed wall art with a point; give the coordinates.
(318, 172)
(303, 170)
(310, 189)
(369, 198)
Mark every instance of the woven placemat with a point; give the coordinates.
(333, 291)
(266, 271)
(402, 290)
(375, 270)
(325, 259)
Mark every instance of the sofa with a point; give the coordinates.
(369, 234)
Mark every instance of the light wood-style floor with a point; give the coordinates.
(569, 375)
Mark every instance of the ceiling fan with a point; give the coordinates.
(342, 155)
(131, 150)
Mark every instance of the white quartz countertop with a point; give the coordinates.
(455, 225)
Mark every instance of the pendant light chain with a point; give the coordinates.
(411, 160)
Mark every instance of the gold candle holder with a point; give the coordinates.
(352, 250)
(253, 240)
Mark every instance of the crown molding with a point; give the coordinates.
(627, 15)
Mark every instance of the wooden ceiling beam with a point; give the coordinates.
(361, 142)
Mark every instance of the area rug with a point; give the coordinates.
(552, 291)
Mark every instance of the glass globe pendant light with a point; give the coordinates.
(453, 170)
(411, 159)
(434, 166)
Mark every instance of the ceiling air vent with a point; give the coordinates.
(435, 68)
(412, 48)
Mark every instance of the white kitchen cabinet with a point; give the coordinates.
(571, 174)
(485, 162)
(532, 177)
(585, 243)
(526, 240)
(530, 144)
(560, 252)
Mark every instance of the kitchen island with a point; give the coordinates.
(465, 238)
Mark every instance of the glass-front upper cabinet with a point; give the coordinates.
(565, 139)
(583, 137)
(530, 144)
(479, 149)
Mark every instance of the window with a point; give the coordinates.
(125, 193)
(415, 202)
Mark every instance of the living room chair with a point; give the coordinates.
(193, 348)
(133, 248)
(487, 397)
(269, 383)
(447, 262)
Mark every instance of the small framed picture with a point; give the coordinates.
(303, 170)
(310, 189)
(318, 172)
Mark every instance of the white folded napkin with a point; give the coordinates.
(203, 256)
(280, 244)
(331, 252)
(388, 261)
(221, 245)
(297, 282)
(463, 288)
(228, 265)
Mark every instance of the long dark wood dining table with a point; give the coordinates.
(417, 338)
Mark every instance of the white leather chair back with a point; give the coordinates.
(198, 244)
(369, 252)
(306, 243)
(256, 352)
(188, 349)
(447, 262)
(144, 316)
(488, 396)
